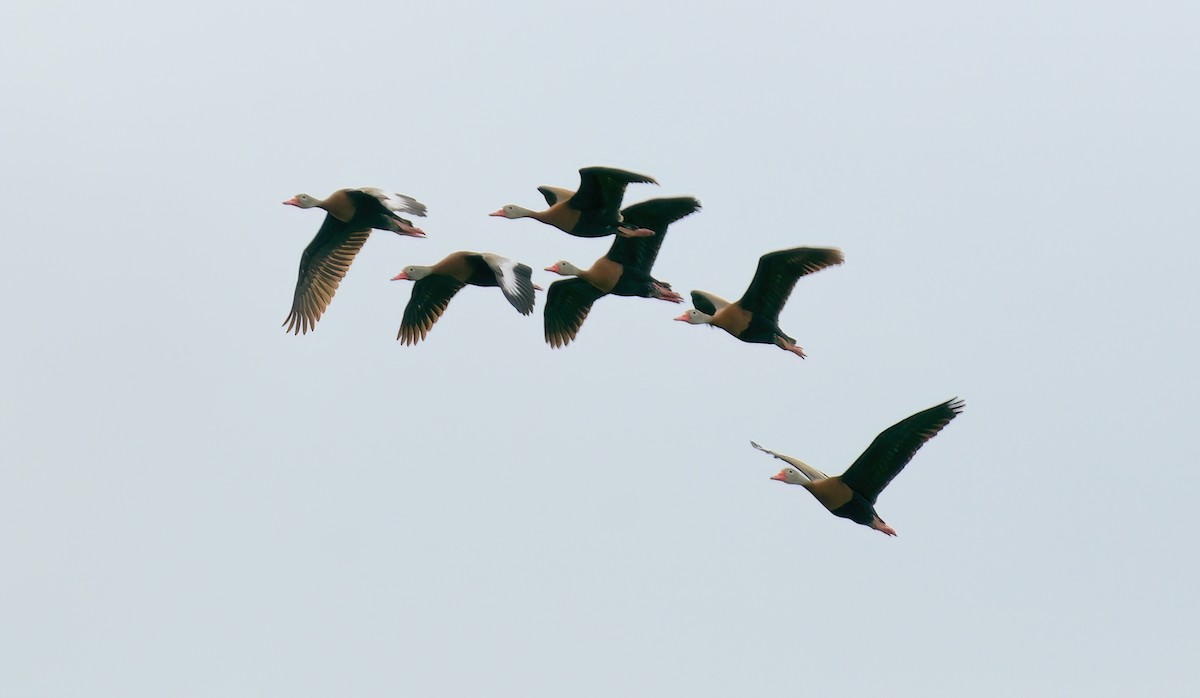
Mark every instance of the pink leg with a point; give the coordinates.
(786, 346)
(880, 526)
(405, 229)
(667, 294)
(625, 231)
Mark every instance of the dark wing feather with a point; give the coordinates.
(550, 195)
(777, 275)
(524, 299)
(322, 265)
(430, 296)
(895, 447)
(602, 188)
(567, 305)
(701, 302)
(655, 214)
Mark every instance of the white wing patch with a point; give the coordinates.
(515, 279)
(398, 203)
(718, 303)
(800, 467)
(559, 193)
(505, 271)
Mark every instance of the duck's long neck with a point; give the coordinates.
(568, 269)
(519, 212)
(320, 203)
(328, 206)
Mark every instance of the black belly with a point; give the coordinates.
(482, 275)
(594, 224)
(762, 331)
(858, 510)
(634, 282)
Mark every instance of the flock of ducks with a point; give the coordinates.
(638, 231)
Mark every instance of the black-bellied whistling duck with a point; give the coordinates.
(624, 271)
(350, 216)
(436, 285)
(755, 316)
(852, 494)
(593, 211)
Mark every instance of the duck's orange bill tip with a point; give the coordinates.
(497, 213)
(292, 202)
(683, 317)
(400, 277)
(778, 476)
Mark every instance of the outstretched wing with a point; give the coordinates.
(323, 264)
(555, 194)
(707, 303)
(777, 275)
(567, 304)
(602, 188)
(515, 279)
(655, 214)
(895, 447)
(430, 296)
(809, 472)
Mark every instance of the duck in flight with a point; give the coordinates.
(350, 215)
(852, 494)
(755, 316)
(623, 271)
(436, 285)
(591, 212)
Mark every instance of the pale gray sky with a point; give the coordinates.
(193, 503)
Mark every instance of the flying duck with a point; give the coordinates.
(623, 271)
(593, 211)
(755, 316)
(852, 494)
(436, 285)
(350, 216)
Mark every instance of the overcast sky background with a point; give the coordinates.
(193, 503)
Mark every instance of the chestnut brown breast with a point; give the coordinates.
(831, 492)
(733, 318)
(561, 216)
(340, 206)
(604, 274)
(456, 265)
